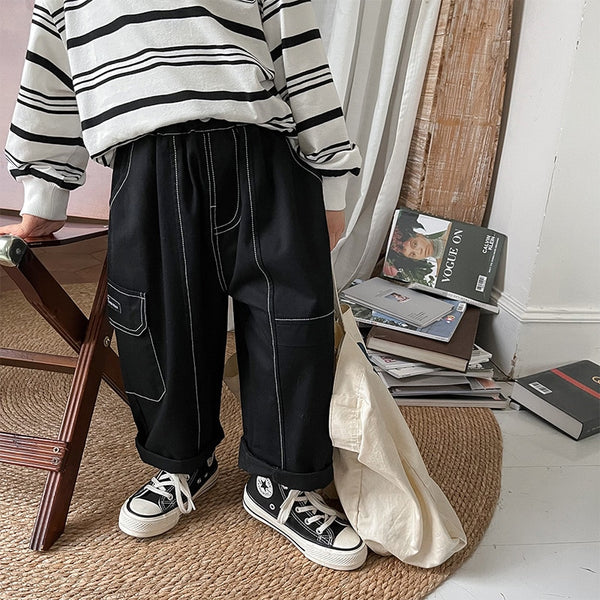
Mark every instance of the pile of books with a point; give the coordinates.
(420, 318)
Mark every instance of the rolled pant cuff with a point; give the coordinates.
(296, 481)
(171, 465)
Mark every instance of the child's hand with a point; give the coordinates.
(31, 227)
(336, 221)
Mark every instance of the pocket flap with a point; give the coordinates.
(126, 310)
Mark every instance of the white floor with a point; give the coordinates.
(544, 540)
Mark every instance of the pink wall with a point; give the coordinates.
(14, 31)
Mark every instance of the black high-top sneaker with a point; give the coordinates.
(317, 530)
(157, 506)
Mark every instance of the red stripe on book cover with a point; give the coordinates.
(576, 383)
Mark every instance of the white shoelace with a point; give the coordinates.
(314, 504)
(182, 490)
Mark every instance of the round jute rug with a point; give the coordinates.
(217, 552)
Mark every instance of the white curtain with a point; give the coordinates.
(378, 51)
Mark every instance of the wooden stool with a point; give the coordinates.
(90, 338)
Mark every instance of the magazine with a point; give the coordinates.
(441, 330)
(398, 367)
(444, 257)
(398, 301)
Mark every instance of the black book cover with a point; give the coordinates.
(568, 397)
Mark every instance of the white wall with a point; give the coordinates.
(546, 196)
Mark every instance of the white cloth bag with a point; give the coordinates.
(380, 477)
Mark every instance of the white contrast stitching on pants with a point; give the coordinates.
(187, 287)
(305, 318)
(277, 394)
(128, 331)
(125, 178)
(224, 227)
(229, 228)
(213, 207)
(159, 372)
(136, 332)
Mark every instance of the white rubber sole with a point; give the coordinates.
(341, 560)
(152, 526)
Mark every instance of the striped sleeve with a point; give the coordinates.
(303, 79)
(44, 148)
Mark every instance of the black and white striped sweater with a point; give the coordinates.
(100, 73)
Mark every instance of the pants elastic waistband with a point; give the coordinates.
(196, 126)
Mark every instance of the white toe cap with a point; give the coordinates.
(144, 507)
(346, 539)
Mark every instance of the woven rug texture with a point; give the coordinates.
(217, 552)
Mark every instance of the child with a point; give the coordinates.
(230, 157)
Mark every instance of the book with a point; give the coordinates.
(444, 257)
(401, 367)
(482, 370)
(394, 299)
(442, 329)
(432, 390)
(479, 356)
(455, 354)
(567, 397)
(423, 385)
(397, 367)
(495, 402)
(426, 382)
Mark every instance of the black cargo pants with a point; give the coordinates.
(200, 213)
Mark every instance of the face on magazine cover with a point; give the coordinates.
(418, 247)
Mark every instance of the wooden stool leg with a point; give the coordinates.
(56, 499)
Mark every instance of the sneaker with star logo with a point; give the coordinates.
(317, 530)
(157, 506)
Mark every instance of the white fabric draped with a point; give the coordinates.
(378, 51)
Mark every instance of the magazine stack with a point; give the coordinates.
(420, 316)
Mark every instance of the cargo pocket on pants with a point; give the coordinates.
(139, 362)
